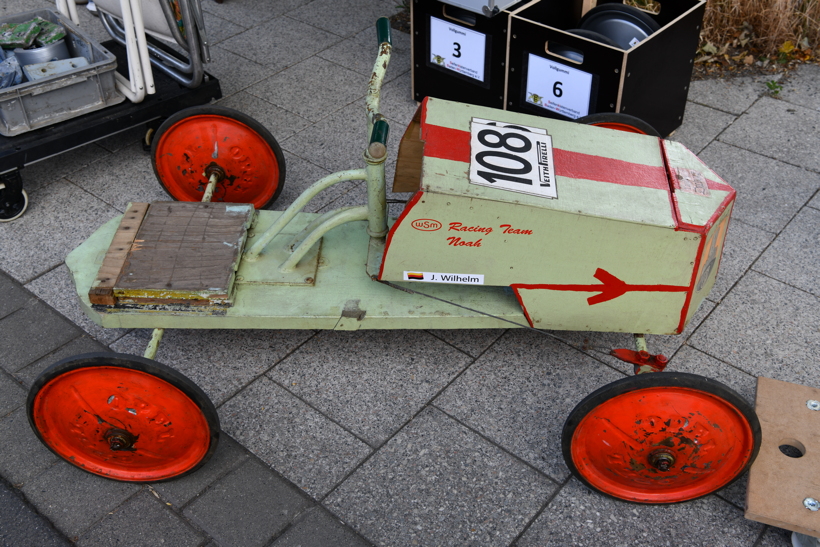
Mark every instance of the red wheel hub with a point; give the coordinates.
(120, 423)
(662, 444)
(186, 149)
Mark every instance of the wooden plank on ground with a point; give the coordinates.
(778, 483)
(102, 290)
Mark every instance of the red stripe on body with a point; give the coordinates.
(453, 144)
(415, 199)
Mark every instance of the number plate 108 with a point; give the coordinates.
(512, 157)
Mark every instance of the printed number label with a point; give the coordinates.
(457, 48)
(511, 157)
(558, 88)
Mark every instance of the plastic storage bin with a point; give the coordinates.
(557, 74)
(50, 100)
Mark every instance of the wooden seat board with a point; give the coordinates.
(185, 251)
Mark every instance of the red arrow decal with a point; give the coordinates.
(610, 288)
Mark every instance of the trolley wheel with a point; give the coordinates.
(661, 438)
(12, 209)
(619, 122)
(123, 417)
(197, 138)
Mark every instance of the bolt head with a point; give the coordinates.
(813, 405)
(811, 504)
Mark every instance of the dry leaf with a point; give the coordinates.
(787, 47)
(748, 60)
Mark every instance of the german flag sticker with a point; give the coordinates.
(417, 276)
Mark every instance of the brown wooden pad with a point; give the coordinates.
(778, 484)
(407, 177)
(182, 253)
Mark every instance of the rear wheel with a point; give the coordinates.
(661, 438)
(207, 138)
(619, 122)
(123, 417)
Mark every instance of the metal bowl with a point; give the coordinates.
(52, 52)
(625, 25)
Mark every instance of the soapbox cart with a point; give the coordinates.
(514, 221)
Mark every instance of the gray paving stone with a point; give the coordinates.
(578, 516)
(31, 332)
(59, 217)
(370, 382)
(733, 95)
(221, 362)
(765, 328)
(220, 29)
(520, 392)
(743, 246)
(780, 130)
(800, 87)
(52, 170)
(234, 71)
(358, 53)
(281, 123)
(312, 88)
(283, 43)
(694, 361)
(130, 179)
(81, 499)
(438, 483)
(250, 13)
(317, 528)
(22, 526)
(296, 440)
(301, 174)
(599, 344)
(247, 507)
(22, 455)
(336, 142)
(229, 455)
(14, 296)
(141, 521)
(77, 346)
(56, 288)
(769, 192)
(795, 254)
(701, 125)
(776, 537)
(344, 17)
(12, 394)
(471, 341)
(815, 202)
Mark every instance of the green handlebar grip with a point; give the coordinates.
(381, 130)
(383, 30)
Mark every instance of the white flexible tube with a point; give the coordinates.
(134, 87)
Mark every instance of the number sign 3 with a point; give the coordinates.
(511, 157)
(457, 48)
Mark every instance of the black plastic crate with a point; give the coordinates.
(459, 54)
(649, 81)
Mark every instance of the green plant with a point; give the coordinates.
(774, 87)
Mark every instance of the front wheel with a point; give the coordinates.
(662, 437)
(123, 417)
(204, 139)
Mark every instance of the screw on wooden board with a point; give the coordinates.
(811, 504)
(813, 405)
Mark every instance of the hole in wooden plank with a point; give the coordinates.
(792, 448)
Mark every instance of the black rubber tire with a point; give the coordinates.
(253, 125)
(12, 210)
(133, 362)
(603, 118)
(655, 380)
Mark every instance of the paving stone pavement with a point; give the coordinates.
(395, 438)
